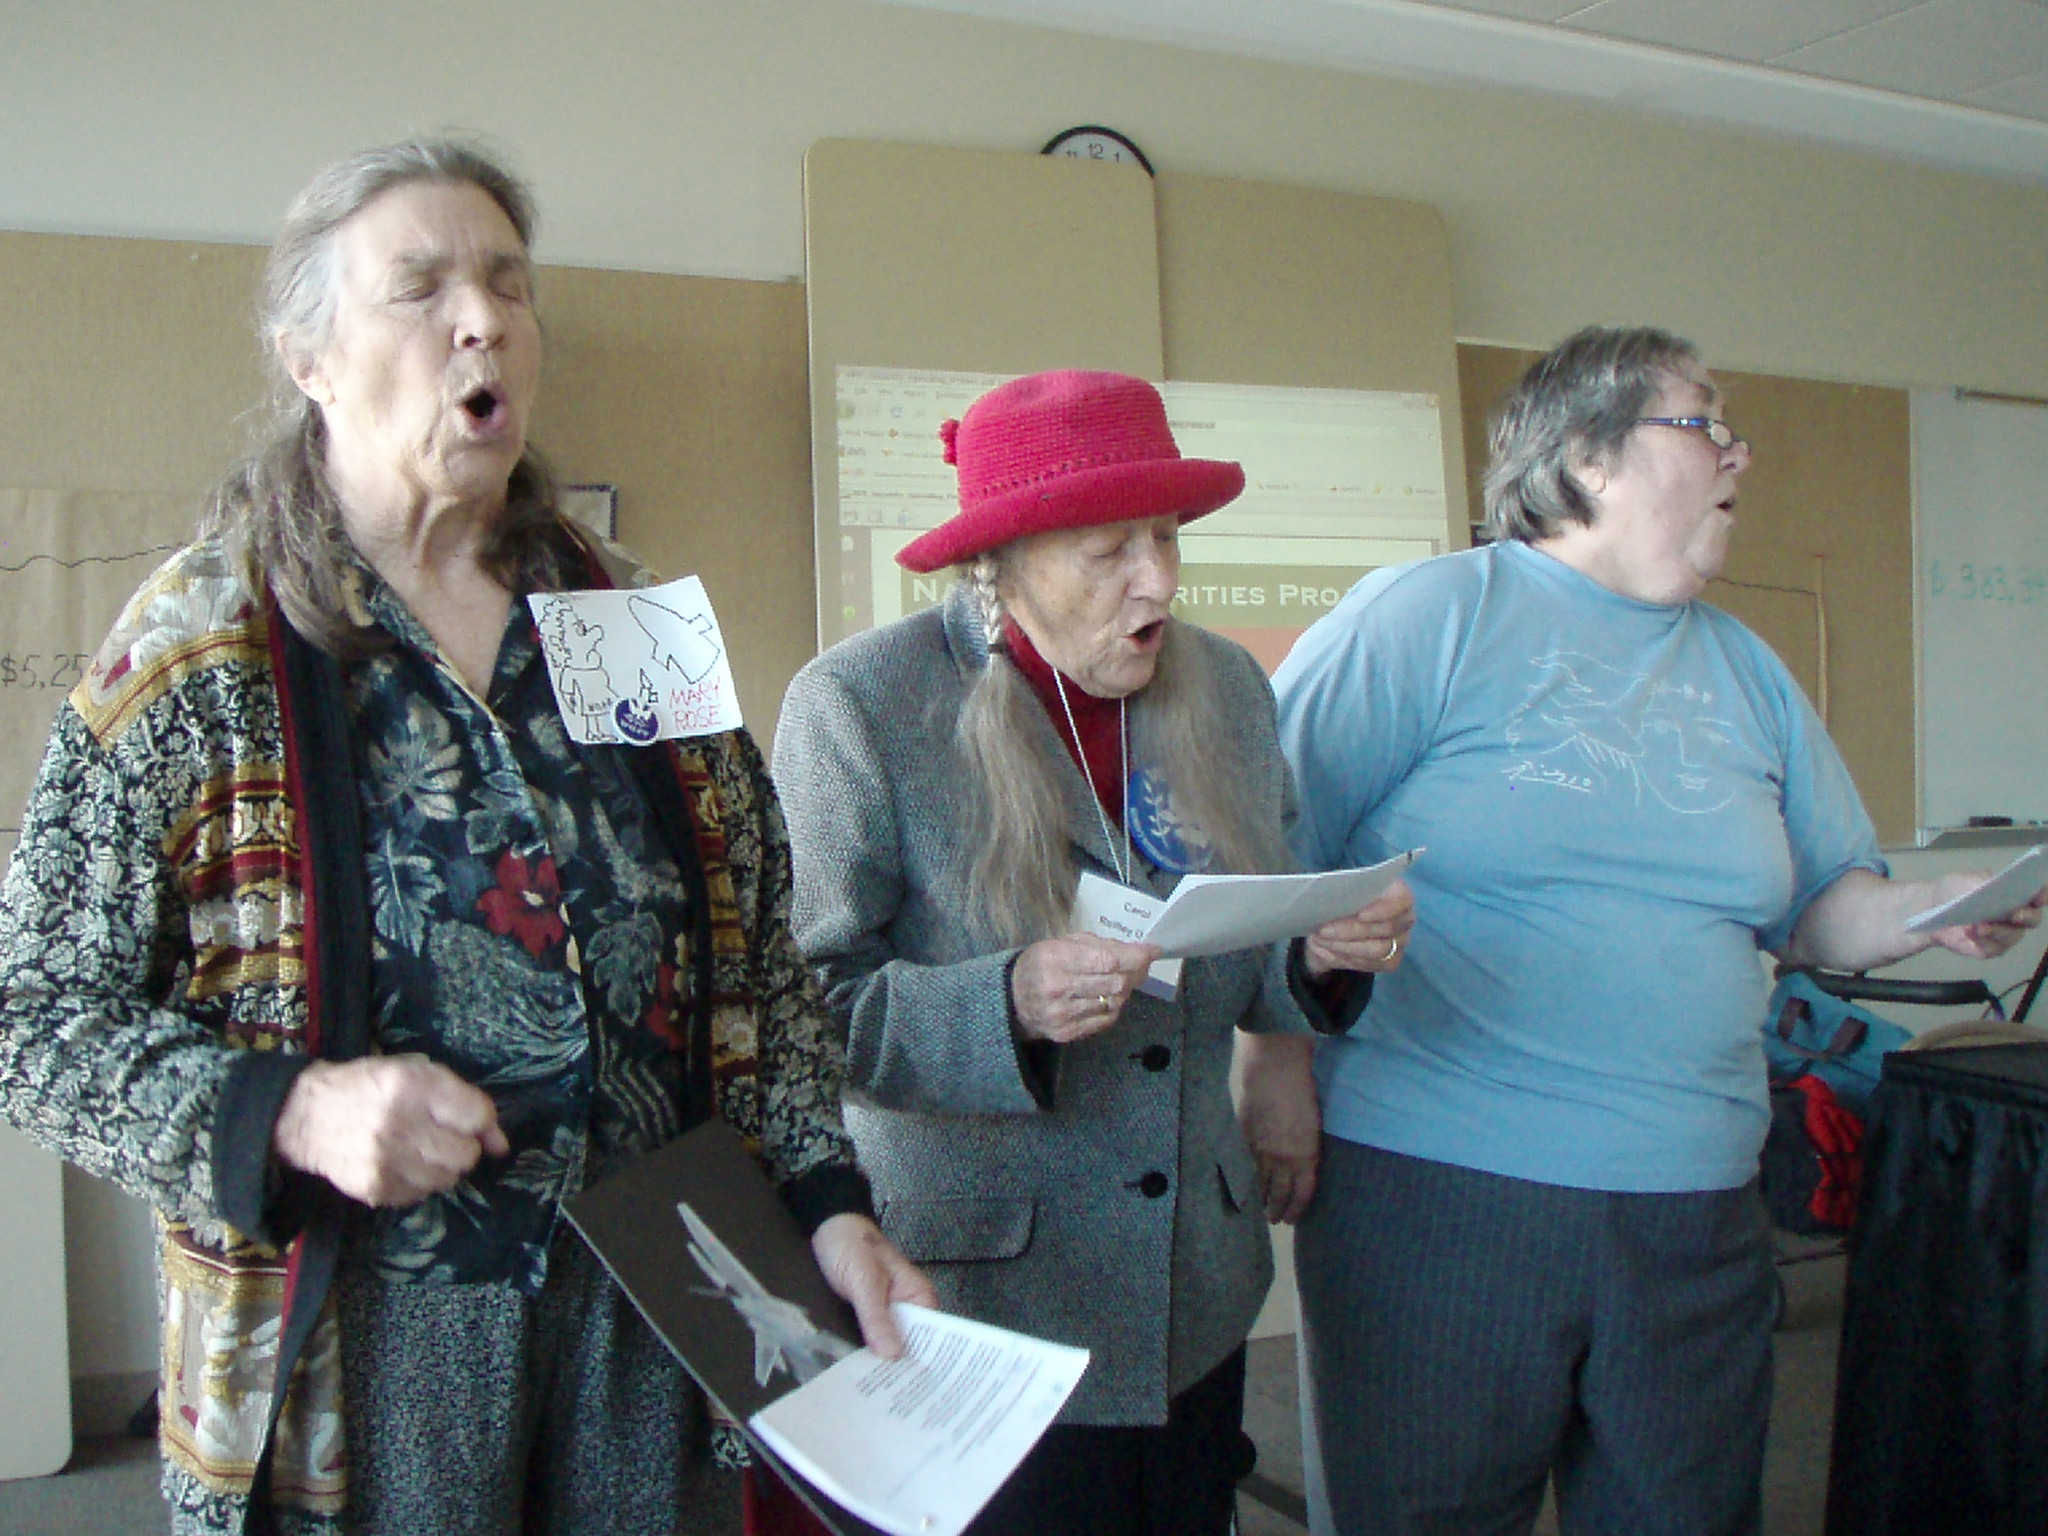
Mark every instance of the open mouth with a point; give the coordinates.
(481, 404)
(1146, 634)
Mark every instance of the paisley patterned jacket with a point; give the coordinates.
(162, 950)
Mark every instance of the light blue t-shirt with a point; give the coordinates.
(1621, 801)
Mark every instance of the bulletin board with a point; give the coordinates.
(68, 562)
(1296, 287)
(959, 261)
(128, 367)
(934, 272)
(1821, 564)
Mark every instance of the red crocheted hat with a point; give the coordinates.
(1065, 450)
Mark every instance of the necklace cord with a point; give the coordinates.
(1123, 721)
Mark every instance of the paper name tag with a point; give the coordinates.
(637, 667)
(1112, 911)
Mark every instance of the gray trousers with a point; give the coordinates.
(1467, 1337)
(471, 1410)
(474, 1411)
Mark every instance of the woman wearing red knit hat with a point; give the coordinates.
(1057, 1146)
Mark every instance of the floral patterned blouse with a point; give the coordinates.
(530, 930)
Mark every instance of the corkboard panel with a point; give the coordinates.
(1291, 286)
(1827, 505)
(690, 395)
(1780, 593)
(129, 365)
(972, 260)
(125, 365)
(963, 260)
(985, 261)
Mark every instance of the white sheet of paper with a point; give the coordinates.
(632, 667)
(918, 1445)
(1114, 911)
(2013, 886)
(1213, 914)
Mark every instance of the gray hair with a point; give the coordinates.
(1025, 868)
(1577, 404)
(275, 513)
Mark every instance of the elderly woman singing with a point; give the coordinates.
(1057, 1143)
(325, 938)
(1538, 1258)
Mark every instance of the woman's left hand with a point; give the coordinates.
(1370, 939)
(1986, 940)
(1275, 1083)
(868, 1272)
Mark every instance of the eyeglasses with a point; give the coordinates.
(1719, 433)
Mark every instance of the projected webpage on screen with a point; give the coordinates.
(1337, 482)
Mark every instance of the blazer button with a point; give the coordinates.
(1153, 1185)
(1155, 1058)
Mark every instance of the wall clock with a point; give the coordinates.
(1093, 142)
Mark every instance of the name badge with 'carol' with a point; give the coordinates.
(1110, 910)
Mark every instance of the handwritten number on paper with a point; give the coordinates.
(36, 670)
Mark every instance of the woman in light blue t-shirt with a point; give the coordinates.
(1535, 1249)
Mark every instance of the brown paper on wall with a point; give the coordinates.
(68, 561)
(1781, 593)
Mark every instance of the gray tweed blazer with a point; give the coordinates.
(1101, 1193)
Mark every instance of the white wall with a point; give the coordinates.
(669, 136)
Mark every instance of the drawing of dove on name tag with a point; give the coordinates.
(637, 667)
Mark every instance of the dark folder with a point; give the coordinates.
(631, 1221)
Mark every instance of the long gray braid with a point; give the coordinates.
(1025, 869)
(981, 576)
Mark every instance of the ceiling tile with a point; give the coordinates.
(2025, 97)
(1943, 49)
(1754, 30)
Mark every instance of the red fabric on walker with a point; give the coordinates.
(1837, 1137)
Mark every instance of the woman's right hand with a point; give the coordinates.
(386, 1130)
(1069, 988)
(1275, 1081)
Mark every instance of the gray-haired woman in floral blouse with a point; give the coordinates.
(325, 939)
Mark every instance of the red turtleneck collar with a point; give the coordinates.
(1099, 753)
